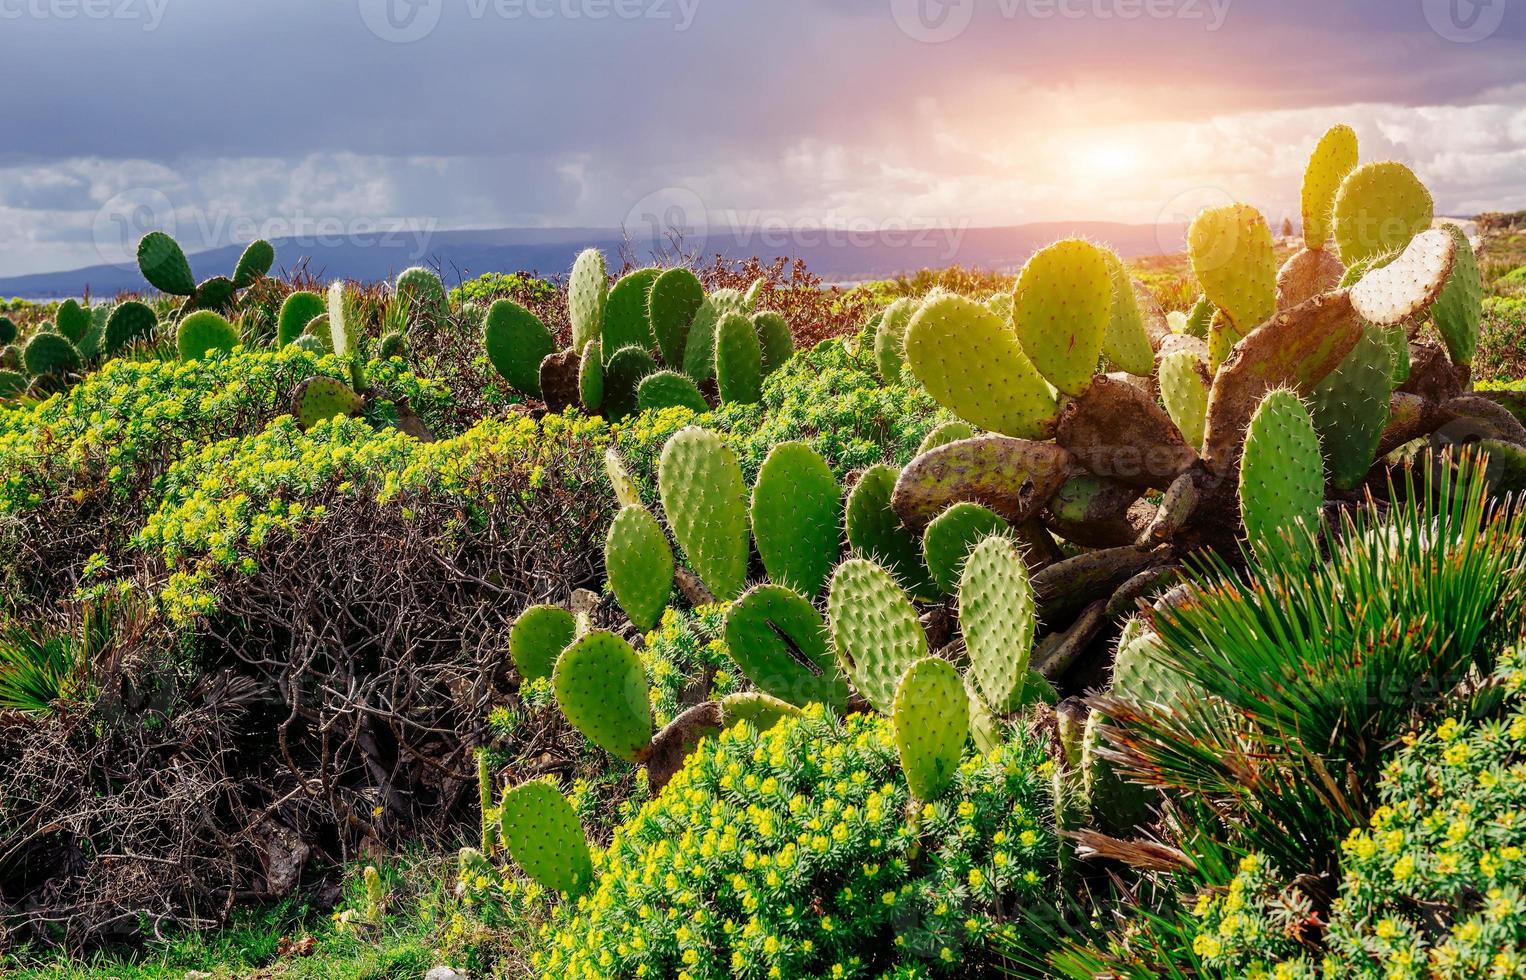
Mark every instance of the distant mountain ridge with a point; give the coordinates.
(836, 256)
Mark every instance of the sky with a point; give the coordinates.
(220, 120)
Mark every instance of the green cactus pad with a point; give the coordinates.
(952, 535)
(627, 320)
(391, 345)
(1060, 313)
(1117, 806)
(1013, 477)
(780, 643)
(517, 341)
(203, 333)
(543, 836)
(639, 564)
(1140, 676)
(321, 398)
(10, 357)
(669, 389)
(12, 383)
(344, 330)
(997, 617)
(1184, 389)
(875, 531)
(623, 375)
(130, 321)
(216, 294)
(587, 297)
(1459, 309)
(754, 294)
(738, 360)
(72, 321)
(931, 717)
(538, 637)
(1126, 342)
(1282, 477)
(1350, 407)
(423, 288)
(890, 339)
(796, 509)
(164, 265)
(675, 299)
(699, 352)
(775, 338)
(705, 499)
(758, 710)
(601, 688)
(591, 377)
(971, 363)
(1380, 207)
(1330, 163)
(311, 344)
(296, 313)
(875, 630)
(1232, 256)
(254, 264)
(1199, 318)
(943, 434)
(8, 331)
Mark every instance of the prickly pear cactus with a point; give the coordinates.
(951, 536)
(129, 322)
(601, 688)
(796, 506)
(997, 617)
(780, 643)
(1380, 207)
(1459, 309)
(945, 433)
(639, 564)
(971, 363)
(1350, 408)
(344, 329)
(1282, 477)
(705, 499)
(620, 480)
(1061, 309)
(216, 294)
(8, 331)
(1117, 806)
(71, 321)
(516, 342)
(538, 637)
(1138, 673)
(254, 264)
(1126, 342)
(623, 375)
(699, 352)
(669, 389)
(890, 339)
(423, 288)
(1184, 389)
(587, 296)
(321, 398)
(49, 354)
(875, 531)
(164, 265)
(875, 629)
(1232, 256)
(543, 836)
(1200, 318)
(738, 360)
(758, 710)
(675, 299)
(1333, 159)
(12, 383)
(591, 377)
(203, 333)
(931, 717)
(775, 338)
(297, 312)
(627, 318)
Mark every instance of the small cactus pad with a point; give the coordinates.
(311, 344)
(544, 838)
(8, 331)
(1184, 391)
(875, 630)
(1117, 805)
(296, 313)
(423, 288)
(623, 375)
(699, 352)
(952, 535)
(591, 377)
(738, 360)
(639, 564)
(997, 617)
(1138, 672)
(1332, 160)
(1306, 274)
(12, 383)
(890, 339)
(321, 398)
(1393, 291)
(1013, 477)
(627, 320)
(1380, 207)
(796, 510)
(254, 264)
(601, 688)
(1126, 342)
(875, 530)
(754, 294)
(675, 298)
(669, 389)
(130, 321)
(619, 476)
(775, 338)
(344, 331)
(1459, 308)
(1060, 312)
(71, 320)
(216, 294)
(705, 499)
(587, 296)
(1282, 477)
(780, 643)
(203, 333)
(164, 265)
(1350, 408)
(1199, 318)
(517, 341)
(931, 717)
(970, 361)
(1231, 250)
(945, 433)
(758, 710)
(538, 637)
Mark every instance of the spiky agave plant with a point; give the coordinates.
(43, 664)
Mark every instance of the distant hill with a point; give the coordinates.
(835, 256)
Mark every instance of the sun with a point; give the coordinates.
(1108, 158)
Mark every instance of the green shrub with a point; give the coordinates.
(1502, 340)
(798, 853)
(685, 646)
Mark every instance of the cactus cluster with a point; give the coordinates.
(165, 267)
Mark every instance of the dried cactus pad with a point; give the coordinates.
(1061, 308)
(932, 722)
(796, 511)
(1232, 256)
(1013, 477)
(601, 688)
(875, 629)
(780, 643)
(971, 363)
(1333, 159)
(997, 617)
(545, 839)
(538, 637)
(1282, 476)
(1307, 273)
(639, 564)
(1380, 207)
(1392, 293)
(705, 499)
